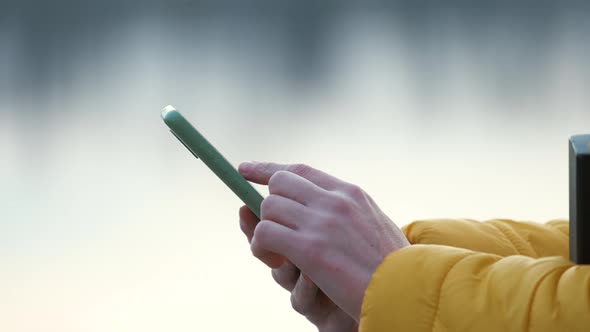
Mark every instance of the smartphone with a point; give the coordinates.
(203, 150)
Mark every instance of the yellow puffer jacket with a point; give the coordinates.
(463, 275)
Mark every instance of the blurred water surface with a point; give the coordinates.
(108, 224)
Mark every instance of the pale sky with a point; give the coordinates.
(109, 224)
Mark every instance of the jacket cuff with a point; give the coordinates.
(404, 291)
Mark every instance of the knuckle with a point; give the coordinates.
(261, 230)
(276, 179)
(255, 248)
(284, 279)
(341, 204)
(259, 251)
(300, 169)
(263, 244)
(268, 204)
(356, 192)
(263, 167)
(259, 238)
(297, 306)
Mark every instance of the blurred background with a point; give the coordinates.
(437, 109)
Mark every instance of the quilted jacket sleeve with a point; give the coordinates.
(436, 287)
(499, 236)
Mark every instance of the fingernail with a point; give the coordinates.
(306, 277)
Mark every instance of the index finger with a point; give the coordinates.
(261, 172)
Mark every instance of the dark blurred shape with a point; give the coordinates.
(580, 199)
(511, 41)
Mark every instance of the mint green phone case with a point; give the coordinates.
(202, 149)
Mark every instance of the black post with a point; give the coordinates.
(580, 199)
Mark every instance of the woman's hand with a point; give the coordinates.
(331, 230)
(306, 298)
